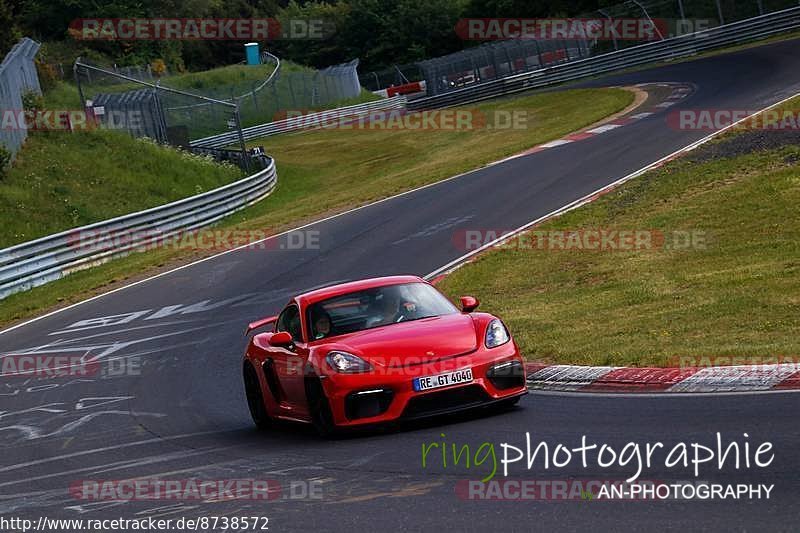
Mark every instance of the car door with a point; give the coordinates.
(288, 363)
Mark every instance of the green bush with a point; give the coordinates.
(5, 160)
(48, 75)
(32, 101)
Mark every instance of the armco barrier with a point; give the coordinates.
(667, 49)
(17, 75)
(43, 260)
(289, 125)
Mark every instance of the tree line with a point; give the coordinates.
(380, 33)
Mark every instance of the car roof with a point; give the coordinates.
(324, 293)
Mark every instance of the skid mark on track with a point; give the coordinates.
(31, 432)
(112, 448)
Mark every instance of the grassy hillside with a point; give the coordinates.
(62, 180)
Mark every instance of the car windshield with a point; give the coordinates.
(372, 308)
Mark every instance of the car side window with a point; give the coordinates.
(289, 320)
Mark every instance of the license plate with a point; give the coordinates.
(443, 380)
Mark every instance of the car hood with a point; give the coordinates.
(415, 342)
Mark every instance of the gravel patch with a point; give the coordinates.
(747, 142)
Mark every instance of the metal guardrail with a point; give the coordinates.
(667, 49)
(40, 261)
(288, 125)
(17, 75)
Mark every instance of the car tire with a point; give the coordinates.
(255, 400)
(319, 408)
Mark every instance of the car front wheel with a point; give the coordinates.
(319, 408)
(255, 400)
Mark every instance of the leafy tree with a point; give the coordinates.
(320, 52)
(380, 33)
(9, 35)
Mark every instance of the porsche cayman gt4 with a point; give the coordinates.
(376, 351)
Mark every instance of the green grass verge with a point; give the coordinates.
(734, 296)
(63, 96)
(62, 180)
(323, 172)
(332, 169)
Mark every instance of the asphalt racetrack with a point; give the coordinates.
(185, 415)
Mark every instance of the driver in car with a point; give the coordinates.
(322, 326)
(392, 309)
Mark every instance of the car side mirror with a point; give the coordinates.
(469, 304)
(282, 339)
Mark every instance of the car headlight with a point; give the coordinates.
(496, 334)
(347, 363)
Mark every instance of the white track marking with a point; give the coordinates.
(116, 331)
(569, 377)
(604, 128)
(735, 378)
(553, 144)
(452, 265)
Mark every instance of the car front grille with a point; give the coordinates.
(446, 400)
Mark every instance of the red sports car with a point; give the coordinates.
(375, 351)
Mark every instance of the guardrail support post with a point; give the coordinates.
(242, 144)
(78, 82)
(646, 14)
(613, 36)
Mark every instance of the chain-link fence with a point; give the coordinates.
(490, 61)
(154, 109)
(394, 76)
(145, 109)
(63, 71)
(17, 76)
(291, 88)
(497, 60)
